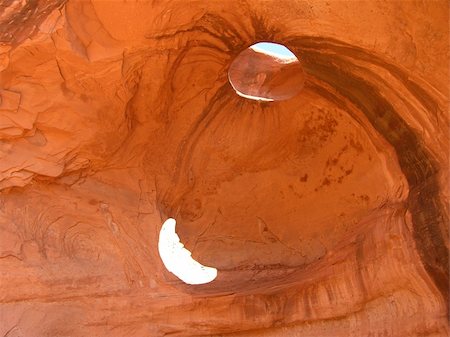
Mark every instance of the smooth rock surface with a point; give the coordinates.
(326, 214)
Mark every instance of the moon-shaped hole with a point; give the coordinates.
(266, 71)
(178, 260)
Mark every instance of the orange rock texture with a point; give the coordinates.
(326, 214)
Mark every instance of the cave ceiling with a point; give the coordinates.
(324, 209)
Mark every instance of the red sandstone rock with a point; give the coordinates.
(325, 214)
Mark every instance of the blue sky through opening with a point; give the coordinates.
(274, 48)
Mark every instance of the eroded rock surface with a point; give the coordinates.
(325, 214)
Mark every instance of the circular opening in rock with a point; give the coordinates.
(178, 260)
(266, 71)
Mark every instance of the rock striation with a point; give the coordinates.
(325, 214)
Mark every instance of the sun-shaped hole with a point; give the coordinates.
(266, 71)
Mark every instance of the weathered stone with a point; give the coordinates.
(325, 214)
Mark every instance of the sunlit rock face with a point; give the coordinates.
(325, 213)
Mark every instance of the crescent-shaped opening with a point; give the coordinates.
(178, 260)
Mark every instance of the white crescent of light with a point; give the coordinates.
(178, 260)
